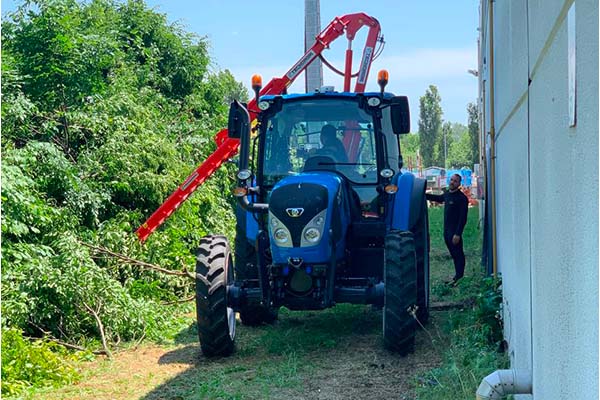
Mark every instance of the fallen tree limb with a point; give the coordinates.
(48, 336)
(139, 263)
(75, 347)
(168, 303)
(100, 328)
(447, 305)
(137, 343)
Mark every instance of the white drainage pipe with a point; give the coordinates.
(503, 382)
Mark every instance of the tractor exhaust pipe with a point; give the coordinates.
(239, 127)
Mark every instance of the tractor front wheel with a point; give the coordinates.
(400, 278)
(216, 321)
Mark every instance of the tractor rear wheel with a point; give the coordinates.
(216, 321)
(246, 268)
(421, 235)
(400, 278)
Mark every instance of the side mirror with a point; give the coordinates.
(400, 114)
(239, 120)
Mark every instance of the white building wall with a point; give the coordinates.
(512, 201)
(546, 190)
(512, 171)
(564, 199)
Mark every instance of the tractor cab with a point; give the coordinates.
(336, 132)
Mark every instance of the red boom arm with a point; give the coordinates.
(227, 147)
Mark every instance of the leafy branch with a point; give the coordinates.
(142, 264)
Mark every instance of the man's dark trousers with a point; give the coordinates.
(457, 253)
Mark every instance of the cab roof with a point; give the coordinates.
(295, 96)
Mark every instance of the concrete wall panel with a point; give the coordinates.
(564, 226)
(510, 57)
(542, 15)
(513, 236)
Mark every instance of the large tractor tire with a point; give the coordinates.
(400, 278)
(216, 321)
(421, 235)
(246, 268)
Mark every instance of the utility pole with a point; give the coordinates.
(445, 150)
(312, 27)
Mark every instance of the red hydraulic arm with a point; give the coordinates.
(227, 147)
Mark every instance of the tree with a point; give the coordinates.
(459, 153)
(443, 143)
(430, 121)
(473, 132)
(106, 109)
(409, 145)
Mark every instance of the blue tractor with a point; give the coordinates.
(319, 221)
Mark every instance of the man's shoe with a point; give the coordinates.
(453, 282)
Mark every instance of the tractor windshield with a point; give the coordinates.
(320, 134)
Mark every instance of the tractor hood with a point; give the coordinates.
(307, 213)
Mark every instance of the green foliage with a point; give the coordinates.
(62, 51)
(459, 153)
(430, 121)
(106, 110)
(473, 351)
(409, 145)
(33, 363)
(442, 146)
(487, 310)
(474, 331)
(445, 144)
(473, 113)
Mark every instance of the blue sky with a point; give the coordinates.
(427, 42)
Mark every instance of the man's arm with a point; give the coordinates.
(438, 198)
(463, 209)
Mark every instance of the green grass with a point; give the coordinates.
(280, 361)
(272, 359)
(469, 339)
(441, 265)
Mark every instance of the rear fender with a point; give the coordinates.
(407, 203)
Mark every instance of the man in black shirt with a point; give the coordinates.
(455, 219)
(332, 146)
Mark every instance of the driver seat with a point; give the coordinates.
(319, 163)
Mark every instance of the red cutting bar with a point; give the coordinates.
(225, 151)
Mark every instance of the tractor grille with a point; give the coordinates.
(309, 197)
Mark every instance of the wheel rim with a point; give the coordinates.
(231, 322)
(230, 311)
(426, 258)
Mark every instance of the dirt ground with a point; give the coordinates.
(356, 367)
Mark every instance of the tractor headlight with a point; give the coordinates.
(281, 236)
(386, 173)
(280, 233)
(313, 231)
(244, 174)
(312, 235)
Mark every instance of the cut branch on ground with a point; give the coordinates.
(142, 264)
(94, 313)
